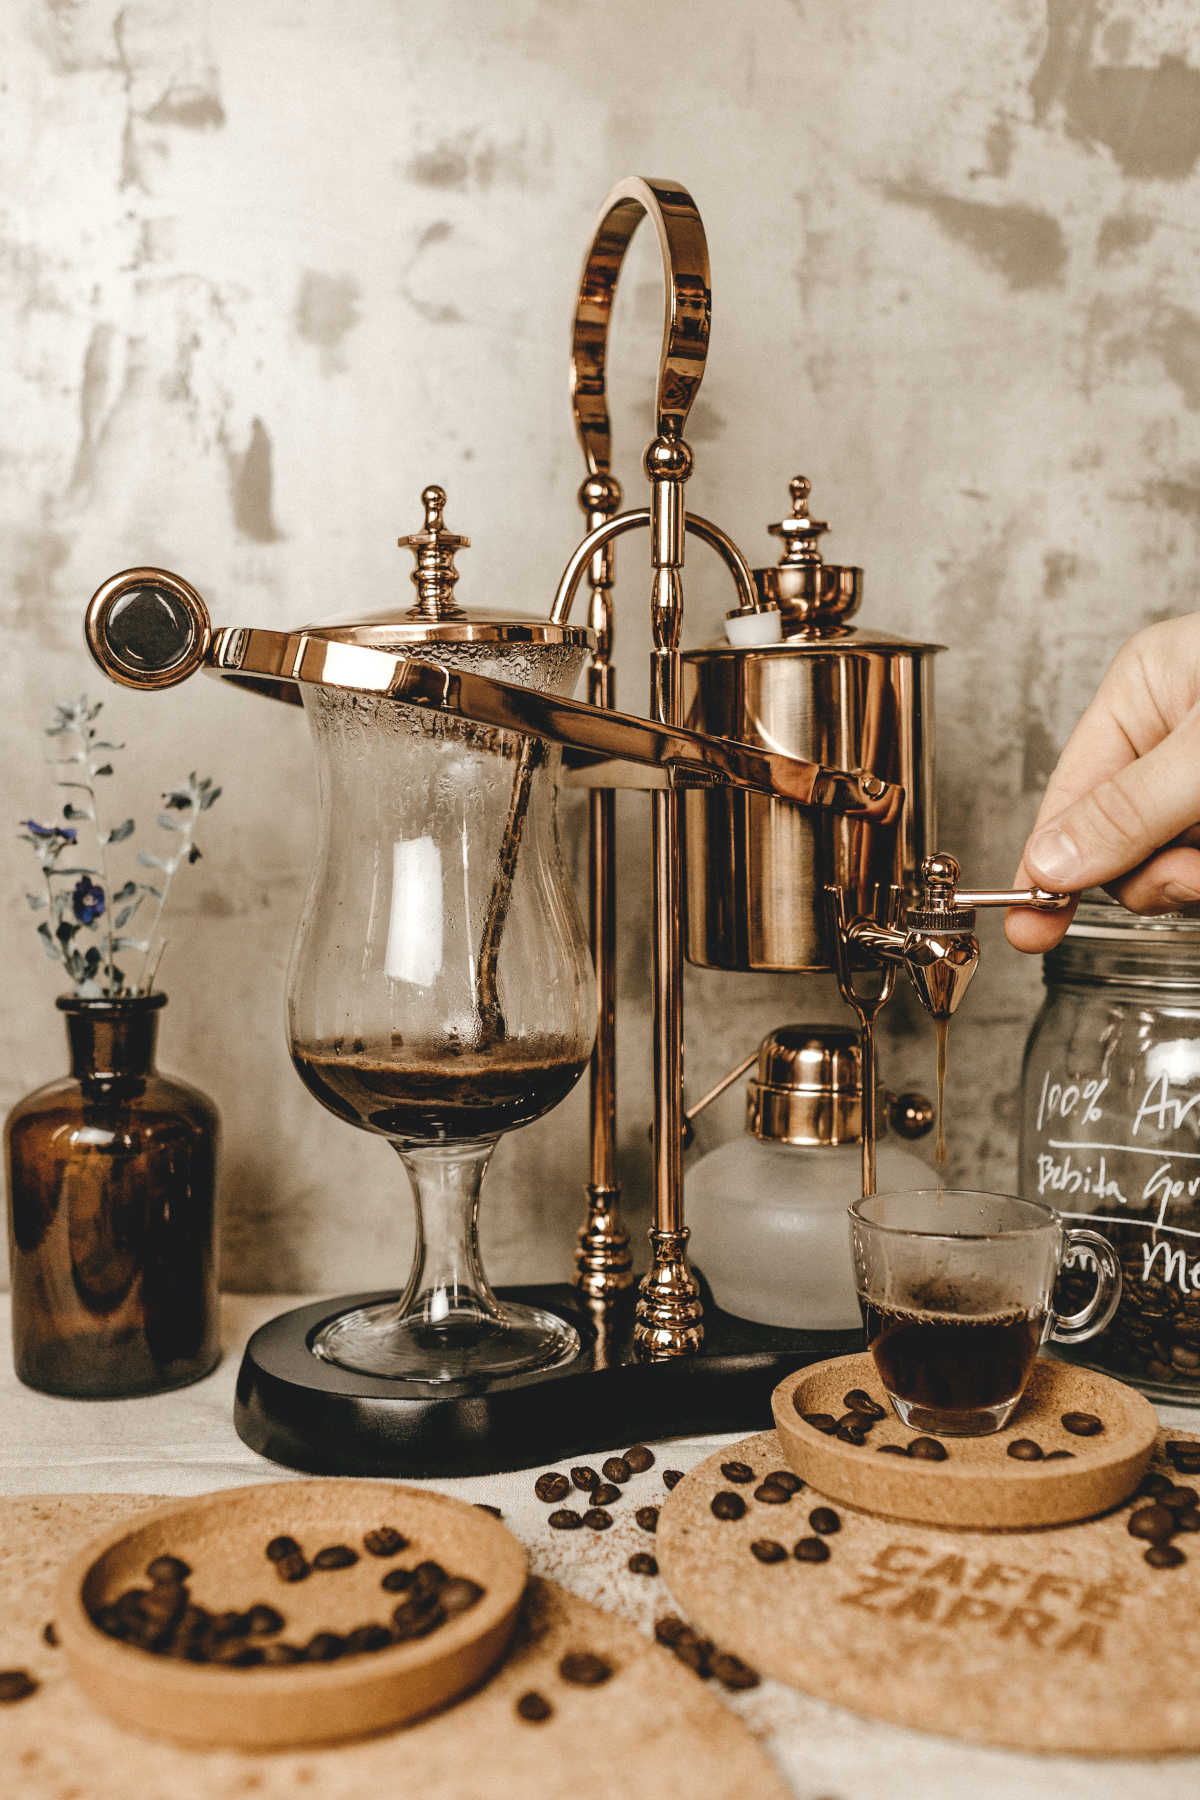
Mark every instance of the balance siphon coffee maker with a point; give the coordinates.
(440, 990)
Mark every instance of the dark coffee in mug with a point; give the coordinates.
(956, 1363)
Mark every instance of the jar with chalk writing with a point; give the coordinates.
(1110, 1131)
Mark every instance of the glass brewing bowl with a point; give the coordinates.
(441, 991)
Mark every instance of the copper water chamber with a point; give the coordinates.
(756, 871)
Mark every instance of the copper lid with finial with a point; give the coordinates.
(436, 615)
(816, 598)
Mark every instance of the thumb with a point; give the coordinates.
(1120, 821)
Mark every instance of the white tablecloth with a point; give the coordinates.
(184, 1443)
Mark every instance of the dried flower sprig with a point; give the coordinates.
(79, 900)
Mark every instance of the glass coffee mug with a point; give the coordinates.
(955, 1289)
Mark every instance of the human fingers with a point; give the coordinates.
(1165, 882)
(1033, 931)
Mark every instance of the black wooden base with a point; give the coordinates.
(301, 1411)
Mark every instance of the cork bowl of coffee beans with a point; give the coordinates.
(290, 1613)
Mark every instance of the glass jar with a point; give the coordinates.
(1110, 1130)
(112, 1197)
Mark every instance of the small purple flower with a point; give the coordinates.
(87, 900)
(64, 832)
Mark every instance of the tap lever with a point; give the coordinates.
(939, 897)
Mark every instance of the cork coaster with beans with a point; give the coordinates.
(1077, 1444)
(1081, 1637)
(578, 1696)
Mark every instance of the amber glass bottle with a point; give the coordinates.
(112, 1197)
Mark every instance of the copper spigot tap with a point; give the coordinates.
(934, 942)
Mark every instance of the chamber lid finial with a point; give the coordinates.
(434, 548)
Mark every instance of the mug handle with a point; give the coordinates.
(1072, 1328)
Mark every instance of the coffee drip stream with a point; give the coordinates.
(790, 781)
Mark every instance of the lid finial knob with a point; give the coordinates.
(434, 548)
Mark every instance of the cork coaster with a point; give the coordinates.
(978, 1483)
(223, 1537)
(652, 1716)
(1058, 1639)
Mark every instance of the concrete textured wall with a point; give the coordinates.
(266, 269)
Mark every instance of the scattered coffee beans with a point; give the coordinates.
(726, 1505)
(279, 1547)
(397, 1581)
(737, 1471)
(647, 1517)
(732, 1672)
(583, 1669)
(292, 1567)
(771, 1493)
(50, 1635)
(640, 1458)
(811, 1549)
(820, 1421)
(585, 1479)
(672, 1478)
(1165, 1556)
(1184, 1456)
(642, 1563)
(927, 1449)
(767, 1550)
(1025, 1450)
(533, 1707)
(365, 1640)
(1153, 1485)
(16, 1684)
(263, 1621)
(1177, 1498)
(784, 1478)
(1188, 1519)
(615, 1468)
(852, 1429)
(459, 1595)
(325, 1646)
(168, 1569)
(605, 1494)
(1081, 1424)
(597, 1519)
(384, 1541)
(671, 1629)
(1154, 1522)
(482, 1506)
(565, 1520)
(890, 1450)
(824, 1520)
(1058, 1455)
(861, 1402)
(551, 1486)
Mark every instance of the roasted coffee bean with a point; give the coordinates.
(1058, 1455)
(852, 1430)
(170, 1569)
(262, 1621)
(235, 1653)
(823, 1519)
(459, 1595)
(1184, 1456)
(927, 1449)
(276, 1655)
(891, 1450)
(1177, 1498)
(695, 1653)
(429, 1578)
(1081, 1424)
(585, 1479)
(640, 1457)
(279, 1547)
(230, 1624)
(672, 1478)
(1154, 1522)
(1165, 1556)
(565, 1520)
(811, 1549)
(326, 1646)
(767, 1550)
(533, 1707)
(582, 1669)
(861, 1402)
(859, 1420)
(615, 1468)
(50, 1635)
(385, 1540)
(1188, 1519)
(784, 1478)
(642, 1563)
(292, 1567)
(727, 1505)
(483, 1506)
(397, 1581)
(605, 1494)
(671, 1629)
(772, 1494)
(737, 1471)
(335, 1556)
(597, 1519)
(551, 1486)
(16, 1684)
(410, 1621)
(820, 1421)
(732, 1672)
(1025, 1450)
(647, 1518)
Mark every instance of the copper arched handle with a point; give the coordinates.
(688, 311)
